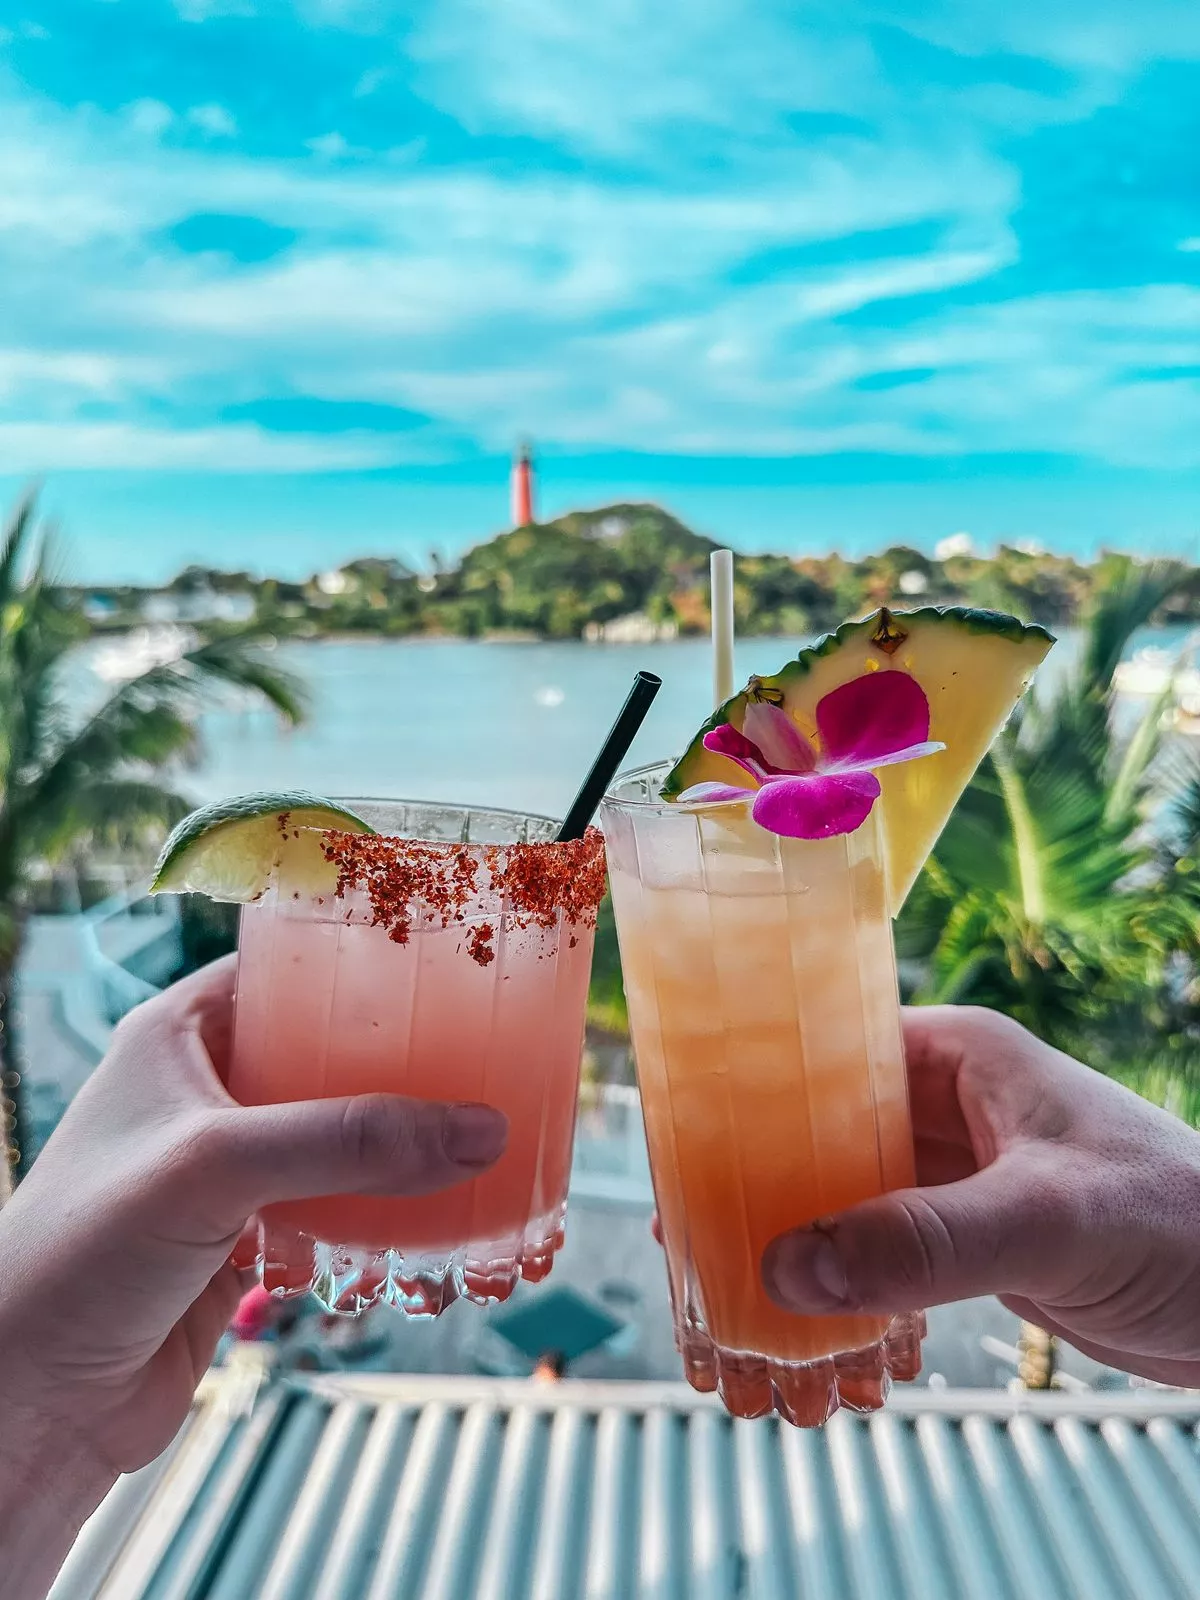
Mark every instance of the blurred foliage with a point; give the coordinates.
(77, 779)
(555, 580)
(606, 998)
(207, 929)
(1065, 890)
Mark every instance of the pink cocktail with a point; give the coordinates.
(450, 962)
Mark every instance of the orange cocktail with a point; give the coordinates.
(451, 966)
(762, 994)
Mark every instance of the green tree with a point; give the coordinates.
(1065, 890)
(70, 781)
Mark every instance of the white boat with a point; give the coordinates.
(1153, 671)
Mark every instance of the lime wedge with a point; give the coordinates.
(229, 849)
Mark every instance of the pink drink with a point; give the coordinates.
(483, 1000)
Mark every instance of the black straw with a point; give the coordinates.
(613, 751)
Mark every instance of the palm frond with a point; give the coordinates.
(958, 980)
(922, 920)
(131, 727)
(12, 547)
(151, 718)
(970, 962)
(48, 565)
(116, 811)
(975, 849)
(237, 659)
(1130, 593)
(1023, 831)
(36, 631)
(1168, 1076)
(1069, 727)
(1180, 795)
(1138, 758)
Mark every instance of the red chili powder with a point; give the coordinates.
(403, 877)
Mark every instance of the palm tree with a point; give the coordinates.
(1052, 895)
(71, 781)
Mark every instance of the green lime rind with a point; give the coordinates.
(972, 619)
(229, 848)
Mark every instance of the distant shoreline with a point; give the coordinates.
(1174, 626)
(620, 574)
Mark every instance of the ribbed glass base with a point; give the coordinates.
(805, 1393)
(347, 1280)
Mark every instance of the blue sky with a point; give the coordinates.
(284, 282)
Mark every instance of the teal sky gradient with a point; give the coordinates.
(285, 280)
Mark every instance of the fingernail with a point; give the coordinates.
(474, 1135)
(803, 1272)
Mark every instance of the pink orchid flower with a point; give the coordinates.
(802, 793)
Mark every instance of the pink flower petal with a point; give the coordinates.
(872, 717)
(715, 794)
(816, 807)
(914, 752)
(727, 741)
(784, 748)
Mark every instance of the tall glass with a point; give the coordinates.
(761, 980)
(451, 964)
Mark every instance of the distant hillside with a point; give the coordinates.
(558, 579)
(591, 566)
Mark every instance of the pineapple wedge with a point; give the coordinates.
(973, 666)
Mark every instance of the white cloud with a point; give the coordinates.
(35, 447)
(205, 10)
(893, 280)
(1076, 34)
(331, 146)
(214, 120)
(613, 77)
(50, 378)
(372, 80)
(720, 81)
(660, 315)
(149, 117)
(1189, 245)
(1083, 373)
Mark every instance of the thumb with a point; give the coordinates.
(369, 1144)
(917, 1247)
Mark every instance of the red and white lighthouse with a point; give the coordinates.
(522, 487)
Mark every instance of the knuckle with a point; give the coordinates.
(155, 1022)
(927, 1242)
(139, 1023)
(895, 1253)
(1053, 1193)
(992, 1028)
(203, 1143)
(193, 1151)
(378, 1129)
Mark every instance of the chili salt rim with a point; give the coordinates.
(541, 882)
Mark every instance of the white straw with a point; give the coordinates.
(720, 566)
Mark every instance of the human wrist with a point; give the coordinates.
(51, 1480)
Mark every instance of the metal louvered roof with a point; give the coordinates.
(473, 1489)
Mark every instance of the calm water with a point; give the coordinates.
(505, 724)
